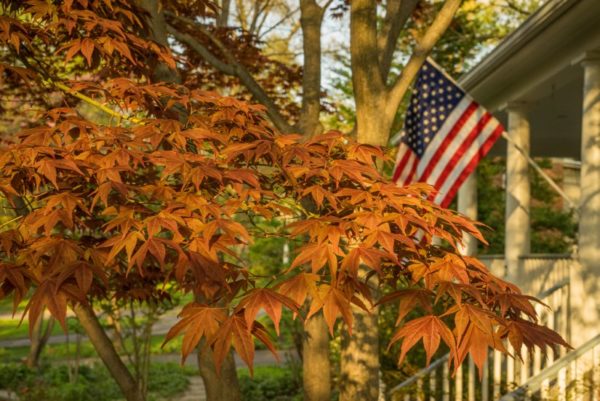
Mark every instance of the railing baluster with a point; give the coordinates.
(595, 376)
(524, 366)
(564, 316)
(471, 380)
(485, 382)
(433, 386)
(537, 361)
(446, 383)
(510, 368)
(420, 393)
(458, 384)
(562, 384)
(545, 390)
(497, 373)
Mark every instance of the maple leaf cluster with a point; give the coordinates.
(164, 196)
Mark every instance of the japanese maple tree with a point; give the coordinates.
(163, 192)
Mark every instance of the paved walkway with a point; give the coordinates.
(195, 391)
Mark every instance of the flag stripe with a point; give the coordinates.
(446, 141)
(412, 171)
(452, 157)
(408, 171)
(450, 122)
(451, 148)
(401, 161)
(479, 149)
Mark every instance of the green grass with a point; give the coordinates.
(6, 306)
(59, 352)
(52, 352)
(13, 354)
(11, 329)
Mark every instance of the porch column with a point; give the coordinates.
(585, 309)
(518, 197)
(589, 213)
(467, 205)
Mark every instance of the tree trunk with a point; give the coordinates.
(315, 360)
(373, 124)
(359, 380)
(311, 18)
(221, 386)
(158, 25)
(39, 339)
(360, 369)
(316, 366)
(106, 351)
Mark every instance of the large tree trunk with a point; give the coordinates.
(359, 380)
(315, 360)
(106, 351)
(220, 386)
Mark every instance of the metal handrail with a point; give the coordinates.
(433, 366)
(535, 382)
(546, 293)
(546, 256)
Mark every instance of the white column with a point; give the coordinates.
(589, 221)
(585, 279)
(570, 182)
(518, 197)
(467, 205)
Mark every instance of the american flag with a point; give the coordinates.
(445, 135)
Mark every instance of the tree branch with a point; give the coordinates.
(223, 19)
(513, 6)
(232, 67)
(281, 21)
(425, 44)
(106, 351)
(397, 14)
(201, 50)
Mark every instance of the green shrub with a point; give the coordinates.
(93, 383)
(271, 383)
(167, 380)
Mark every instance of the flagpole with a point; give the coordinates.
(540, 171)
(531, 162)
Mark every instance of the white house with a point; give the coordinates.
(543, 82)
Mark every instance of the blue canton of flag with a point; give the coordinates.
(445, 135)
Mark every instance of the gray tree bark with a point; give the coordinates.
(359, 380)
(220, 386)
(311, 19)
(315, 360)
(316, 365)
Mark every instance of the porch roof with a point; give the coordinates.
(537, 65)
